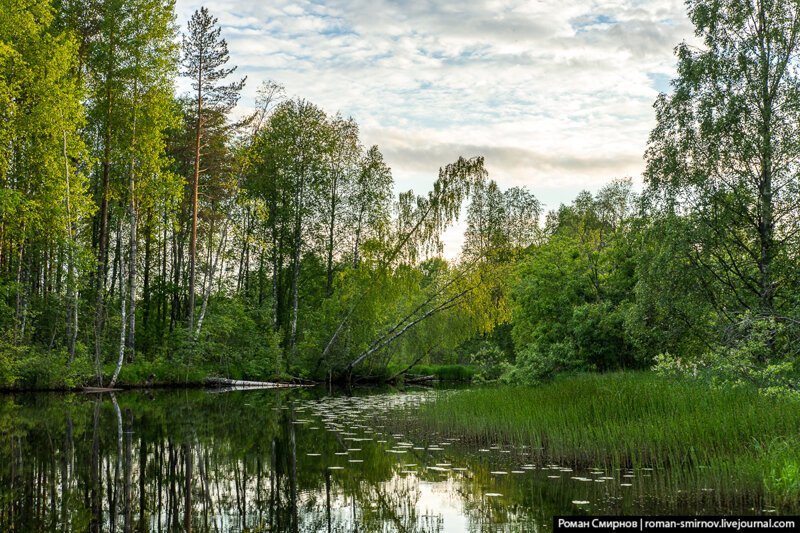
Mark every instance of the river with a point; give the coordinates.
(292, 460)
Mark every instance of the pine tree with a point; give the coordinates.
(205, 55)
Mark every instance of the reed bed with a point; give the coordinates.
(635, 420)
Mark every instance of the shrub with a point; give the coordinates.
(7, 368)
(747, 359)
(490, 363)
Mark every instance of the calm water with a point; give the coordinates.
(298, 460)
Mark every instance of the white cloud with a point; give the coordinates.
(556, 94)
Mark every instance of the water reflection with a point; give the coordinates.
(290, 461)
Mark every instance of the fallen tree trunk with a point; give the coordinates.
(219, 389)
(419, 379)
(383, 342)
(225, 382)
(415, 363)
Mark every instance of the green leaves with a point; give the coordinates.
(717, 289)
(723, 157)
(422, 219)
(571, 293)
(43, 190)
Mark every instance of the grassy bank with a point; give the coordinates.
(638, 420)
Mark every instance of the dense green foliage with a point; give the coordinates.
(142, 227)
(572, 292)
(698, 273)
(634, 419)
(145, 235)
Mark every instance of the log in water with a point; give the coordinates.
(241, 384)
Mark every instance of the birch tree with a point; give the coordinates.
(725, 153)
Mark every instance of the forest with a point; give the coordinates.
(149, 235)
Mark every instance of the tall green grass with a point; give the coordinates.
(636, 420)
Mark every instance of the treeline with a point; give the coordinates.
(154, 235)
(146, 234)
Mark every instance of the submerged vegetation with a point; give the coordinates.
(635, 420)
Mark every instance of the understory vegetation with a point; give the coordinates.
(148, 236)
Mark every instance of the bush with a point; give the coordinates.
(536, 365)
(25, 367)
(233, 342)
(748, 359)
(8, 375)
(159, 372)
(490, 363)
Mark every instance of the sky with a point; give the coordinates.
(557, 95)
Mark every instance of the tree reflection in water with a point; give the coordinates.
(187, 461)
(288, 461)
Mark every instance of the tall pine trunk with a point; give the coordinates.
(195, 187)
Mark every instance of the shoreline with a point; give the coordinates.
(187, 385)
